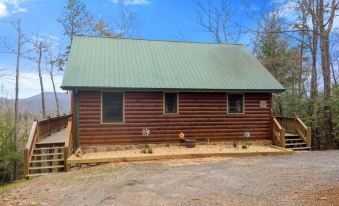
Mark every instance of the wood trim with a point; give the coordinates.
(163, 103)
(243, 105)
(123, 107)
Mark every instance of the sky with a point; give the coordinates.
(156, 19)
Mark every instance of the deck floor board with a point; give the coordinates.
(57, 137)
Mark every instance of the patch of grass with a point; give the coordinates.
(146, 150)
(246, 145)
(9, 186)
(235, 143)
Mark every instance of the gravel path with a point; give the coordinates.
(305, 178)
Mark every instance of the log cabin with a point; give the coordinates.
(123, 89)
(214, 92)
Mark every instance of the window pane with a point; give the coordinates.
(171, 102)
(112, 107)
(235, 103)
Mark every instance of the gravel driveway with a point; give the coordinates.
(305, 178)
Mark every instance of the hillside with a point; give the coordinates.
(33, 104)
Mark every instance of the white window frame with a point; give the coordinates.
(123, 107)
(164, 103)
(243, 104)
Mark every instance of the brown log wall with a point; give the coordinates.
(201, 115)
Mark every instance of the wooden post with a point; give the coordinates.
(282, 137)
(48, 126)
(26, 162)
(309, 136)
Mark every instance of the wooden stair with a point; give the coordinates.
(291, 133)
(295, 142)
(46, 159)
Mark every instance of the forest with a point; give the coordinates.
(302, 54)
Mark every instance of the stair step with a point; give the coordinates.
(47, 148)
(291, 135)
(46, 167)
(47, 154)
(297, 139)
(39, 174)
(50, 143)
(295, 144)
(301, 148)
(43, 161)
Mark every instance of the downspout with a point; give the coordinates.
(76, 118)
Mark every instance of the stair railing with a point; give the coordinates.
(69, 147)
(40, 129)
(32, 139)
(303, 131)
(278, 133)
(295, 125)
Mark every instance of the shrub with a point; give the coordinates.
(235, 143)
(146, 150)
(7, 153)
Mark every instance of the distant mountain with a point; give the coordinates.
(33, 104)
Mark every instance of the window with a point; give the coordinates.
(171, 103)
(112, 107)
(235, 103)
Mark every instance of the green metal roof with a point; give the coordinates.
(133, 64)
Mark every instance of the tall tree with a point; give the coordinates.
(123, 24)
(216, 17)
(326, 13)
(308, 11)
(18, 54)
(16, 101)
(272, 52)
(75, 20)
(51, 63)
(40, 47)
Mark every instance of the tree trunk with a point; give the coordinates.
(333, 72)
(41, 82)
(325, 61)
(324, 47)
(16, 101)
(314, 93)
(55, 93)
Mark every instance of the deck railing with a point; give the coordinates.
(69, 146)
(40, 129)
(295, 125)
(278, 133)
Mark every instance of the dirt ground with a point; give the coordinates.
(305, 178)
(175, 150)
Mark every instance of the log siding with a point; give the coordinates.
(201, 115)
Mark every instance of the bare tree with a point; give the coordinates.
(51, 63)
(325, 16)
(40, 47)
(18, 53)
(215, 17)
(308, 11)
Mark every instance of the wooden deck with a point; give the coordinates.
(57, 137)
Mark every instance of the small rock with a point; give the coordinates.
(323, 198)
